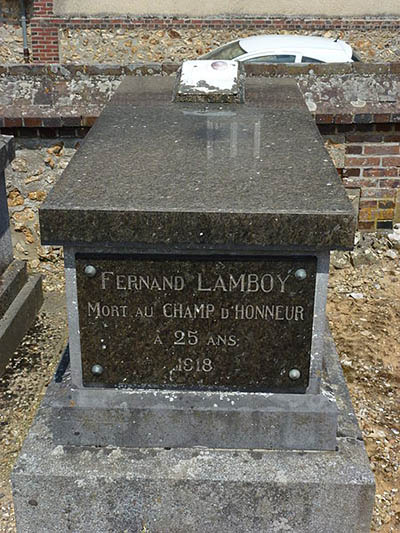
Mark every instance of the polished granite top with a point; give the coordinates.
(153, 171)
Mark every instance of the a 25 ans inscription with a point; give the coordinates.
(195, 322)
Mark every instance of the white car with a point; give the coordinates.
(285, 49)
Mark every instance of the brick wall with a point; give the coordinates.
(45, 42)
(372, 164)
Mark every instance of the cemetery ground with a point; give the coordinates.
(363, 312)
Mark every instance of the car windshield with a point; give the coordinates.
(228, 51)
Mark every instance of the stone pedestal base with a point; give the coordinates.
(60, 488)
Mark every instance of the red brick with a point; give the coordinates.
(360, 182)
(384, 127)
(364, 225)
(354, 149)
(362, 161)
(364, 137)
(324, 119)
(381, 149)
(385, 214)
(351, 172)
(395, 184)
(373, 172)
(377, 193)
(32, 122)
(391, 161)
(381, 117)
(344, 119)
(12, 122)
(367, 214)
(380, 172)
(386, 204)
(368, 203)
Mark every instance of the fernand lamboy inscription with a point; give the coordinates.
(199, 323)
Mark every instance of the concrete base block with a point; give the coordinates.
(89, 489)
(155, 418)
(24, 298)
(60, 487)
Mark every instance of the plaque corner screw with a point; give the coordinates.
(97, 369)
(300, 274)
(294, 374)
(90, 271)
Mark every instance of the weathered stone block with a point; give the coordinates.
(106, 488)
(19, 317)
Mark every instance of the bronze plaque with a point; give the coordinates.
(217, 323)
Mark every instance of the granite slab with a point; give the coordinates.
(153, 171)
(7, 154)
(218, 322)
(7, 150)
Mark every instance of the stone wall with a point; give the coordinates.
(49, 16)
(356, 108)
(10, 10)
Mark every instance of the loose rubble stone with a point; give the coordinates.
(391, 254)
(357, 295)
(19, 164)
(340, 259)
(363, 257)
(394, 239)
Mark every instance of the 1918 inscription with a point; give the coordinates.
(199, 322)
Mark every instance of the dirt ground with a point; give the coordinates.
(367, 334)
(363, 311)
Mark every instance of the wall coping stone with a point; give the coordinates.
(167, 67)
(326, 88)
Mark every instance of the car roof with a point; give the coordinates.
(257, 43)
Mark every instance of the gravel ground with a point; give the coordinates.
(129, 46)
(363, 310)
(22, 388)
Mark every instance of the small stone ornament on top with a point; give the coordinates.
(216, 81)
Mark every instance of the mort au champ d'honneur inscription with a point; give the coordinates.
(195, 322)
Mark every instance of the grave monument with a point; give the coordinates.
(203, 391)
(20, 295)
